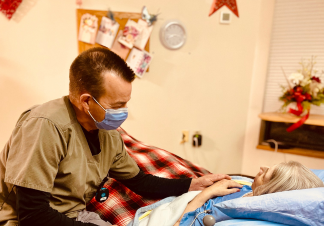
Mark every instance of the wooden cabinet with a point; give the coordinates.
(307, 140)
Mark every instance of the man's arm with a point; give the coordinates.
(151, 186)
(155, 187)
(33, 209)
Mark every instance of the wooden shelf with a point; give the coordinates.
(317, 120)
(295, 151)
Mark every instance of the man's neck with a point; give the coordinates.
(85, 121)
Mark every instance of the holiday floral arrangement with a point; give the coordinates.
(304, 88)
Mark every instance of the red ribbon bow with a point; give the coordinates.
(299, 97)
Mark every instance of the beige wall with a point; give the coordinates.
(204, 86)
(35, 55)
(254, 158)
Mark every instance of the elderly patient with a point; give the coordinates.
(281, 177)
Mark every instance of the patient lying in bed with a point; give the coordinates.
(281, 177)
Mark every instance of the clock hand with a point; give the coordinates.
(171, 36)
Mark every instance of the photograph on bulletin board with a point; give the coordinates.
(130, 34)
(107, 32)
(88, 28)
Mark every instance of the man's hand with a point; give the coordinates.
(221, 188)
(200, 183)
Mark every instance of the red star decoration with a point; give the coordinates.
(217, 4)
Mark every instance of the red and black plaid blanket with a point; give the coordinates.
(122, 204)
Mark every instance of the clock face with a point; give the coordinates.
(173, 35)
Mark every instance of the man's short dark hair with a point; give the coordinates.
(86, 71)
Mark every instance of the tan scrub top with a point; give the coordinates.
(48, 151)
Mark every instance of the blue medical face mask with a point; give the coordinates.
(113, 118)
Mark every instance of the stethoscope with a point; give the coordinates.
(208, 220)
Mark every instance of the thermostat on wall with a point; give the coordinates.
(225, 17)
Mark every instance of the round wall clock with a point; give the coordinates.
(173, 34)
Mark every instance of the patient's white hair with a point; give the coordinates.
(289, 176)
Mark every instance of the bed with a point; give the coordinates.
(122, 204)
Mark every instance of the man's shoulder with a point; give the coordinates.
(59, 111)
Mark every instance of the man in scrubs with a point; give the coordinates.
(60, 152)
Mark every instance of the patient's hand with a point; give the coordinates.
(221, 188)
(203, 182)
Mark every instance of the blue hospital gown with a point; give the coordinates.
(209, 205)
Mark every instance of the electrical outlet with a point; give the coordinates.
(185, 136)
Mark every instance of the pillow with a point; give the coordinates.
(319, 173)
(298, 207)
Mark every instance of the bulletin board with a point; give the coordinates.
(120, 17)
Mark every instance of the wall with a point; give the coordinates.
(204, 86)
(254, 158)
(35, 55)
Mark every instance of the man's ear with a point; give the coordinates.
(85, 101)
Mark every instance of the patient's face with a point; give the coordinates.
(263, 176)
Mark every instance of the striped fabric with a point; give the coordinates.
(122, 203)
